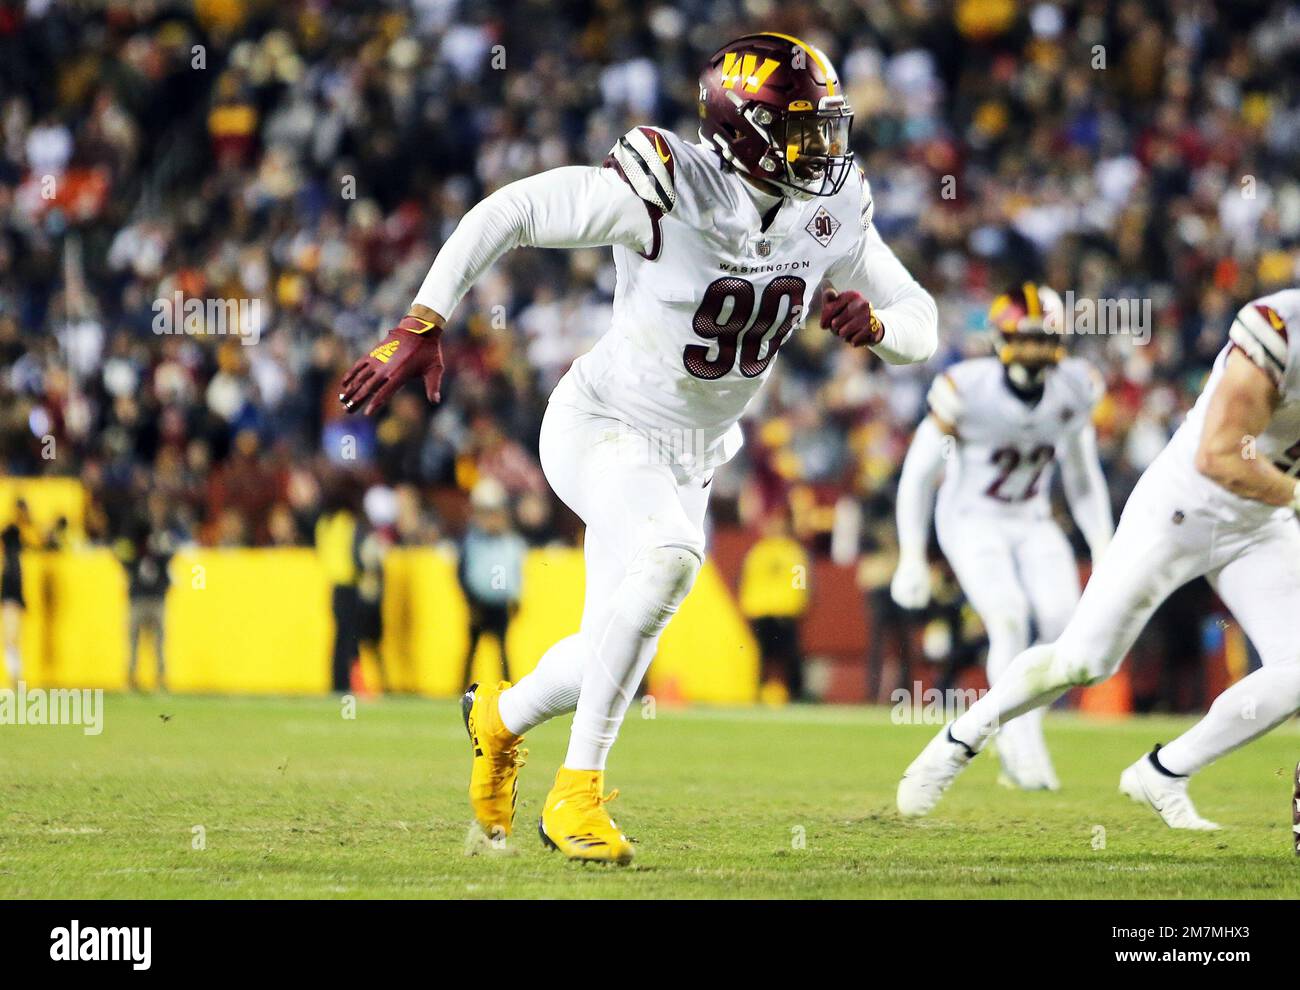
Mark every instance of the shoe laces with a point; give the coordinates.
(512, 759)
(598, 802)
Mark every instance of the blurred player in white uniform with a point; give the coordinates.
(1220, 501)
(719, 247)
(997, 426)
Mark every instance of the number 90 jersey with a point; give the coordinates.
(1006, 448)
(699, 318)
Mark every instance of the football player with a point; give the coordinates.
(719, 247)
(997, 426)
(1219, 501)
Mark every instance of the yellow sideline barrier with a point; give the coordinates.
(47, 499)
(259, 622)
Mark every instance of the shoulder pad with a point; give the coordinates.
(645, 160)
(1262, 335)
(945, 399)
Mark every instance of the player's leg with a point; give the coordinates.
(638, 510)
(1157, 547)
(501, 630)
(12, 613)
(1050, 577)
(1261, 587)
(552, 687)
(160, 641)
(981, 554)
(475, 634)
(497, 715)
(135, 624)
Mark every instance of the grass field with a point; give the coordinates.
(293, 800)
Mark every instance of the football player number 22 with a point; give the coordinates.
(723, 315)
(1008, 460)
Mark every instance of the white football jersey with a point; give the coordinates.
(704, 296)
(1267, 331)
(699, 318)
(1005, 447)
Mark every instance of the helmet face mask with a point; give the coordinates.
(771, 106)
(815, 149)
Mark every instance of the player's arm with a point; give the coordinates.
(1086, 491)
(573, 206)
(1241, 408)
(922, 467)
(875, 302)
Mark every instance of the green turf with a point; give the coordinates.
(296, 801)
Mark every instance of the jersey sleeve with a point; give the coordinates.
(1263, 336)
(571, 206)
(867, 205)
(907, 311)
(1087, 387)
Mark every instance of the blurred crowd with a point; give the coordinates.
(314, 155)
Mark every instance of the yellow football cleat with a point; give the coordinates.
(494, 778)
(575, 822)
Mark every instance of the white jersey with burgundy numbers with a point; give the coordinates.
(700, 317)
(712, 278)
(1267, 331)
(1005, 447)
(996, 453)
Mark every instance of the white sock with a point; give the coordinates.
(608, 684)
(551, 689)
(1251, 707)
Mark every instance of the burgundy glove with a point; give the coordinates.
(411, 349)
(849, 317)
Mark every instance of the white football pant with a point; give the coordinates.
(644, 546)
(1014, 572)
(1166, 537)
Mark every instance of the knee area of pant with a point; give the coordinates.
(665, 573)
(656, 583)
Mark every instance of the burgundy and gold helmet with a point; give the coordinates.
(1029, 320)
(772, 107)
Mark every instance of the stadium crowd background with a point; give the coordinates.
(314, 155)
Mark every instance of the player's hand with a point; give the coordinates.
(910, 588)
(410, 350)
(848, 315)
